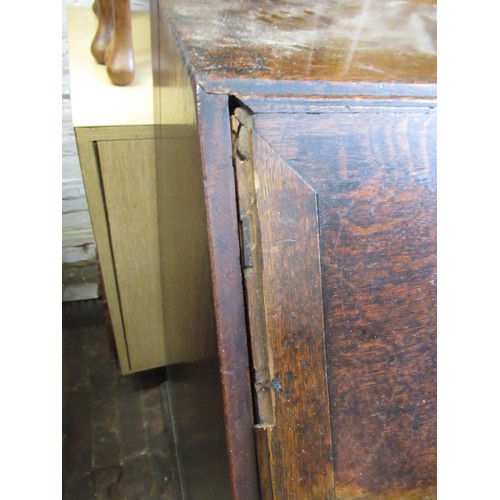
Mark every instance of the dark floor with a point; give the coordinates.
(114, 444)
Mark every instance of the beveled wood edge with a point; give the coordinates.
(95, 199)
(317, 365)
(261, 104)
(182, 52)
(253, 104)
(252, 86)
(248, 199)
(228, 299)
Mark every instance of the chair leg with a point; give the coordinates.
(104, 31)
(119, 57)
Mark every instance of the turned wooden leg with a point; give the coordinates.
(104, 32)
(119, 55)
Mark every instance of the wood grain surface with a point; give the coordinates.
(129, 180)
(229, 306)
(281, 249)
(95, 198)
(276, 47)
(301, 443)
(197, 177)
(374, 172)
(356, 178)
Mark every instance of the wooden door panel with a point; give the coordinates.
(371, 172)
(293, 436)
(300, 438)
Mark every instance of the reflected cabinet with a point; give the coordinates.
(115, 137)
(296, 178)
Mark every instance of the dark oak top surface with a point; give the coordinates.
(341, 47)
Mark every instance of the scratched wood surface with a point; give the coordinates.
(374, 173)
(283, 282)
(370, 167)
(301, 446)
(228, 43)
(229, 309)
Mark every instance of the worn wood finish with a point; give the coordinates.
(322, 48)
(263, 440)
(343, 131)
(251, 262)
(220, 196)
(279, 238)
(300, 442)
(374, 175)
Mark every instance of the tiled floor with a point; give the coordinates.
(114, 444)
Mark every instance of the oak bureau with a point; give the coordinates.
(296, 177)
